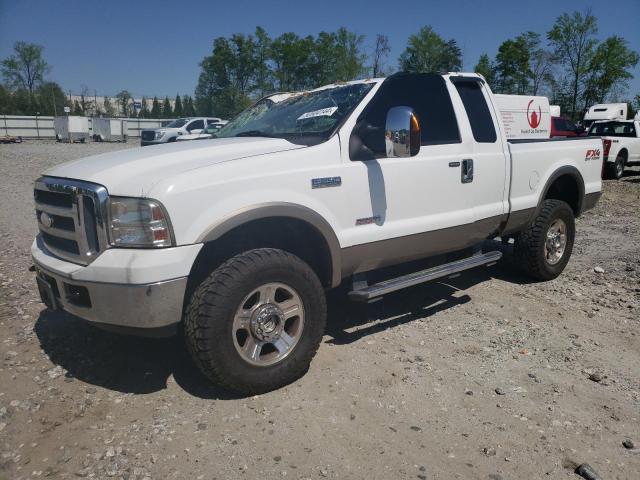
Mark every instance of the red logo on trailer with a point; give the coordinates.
(534, 117)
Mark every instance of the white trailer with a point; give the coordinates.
(524, 116)
(71, 129)
(109, 129)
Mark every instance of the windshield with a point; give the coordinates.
(295, 115)
(613, 129)
(180, 122)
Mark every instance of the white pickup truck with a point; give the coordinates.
(621, 144)
(237, 238)
(176, 129)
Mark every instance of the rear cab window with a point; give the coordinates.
(613, 129)
(477, 110)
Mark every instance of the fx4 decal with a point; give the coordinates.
(593, 154)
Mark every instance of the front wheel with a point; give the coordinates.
(616, 170)
(257, 321)
(543, 250)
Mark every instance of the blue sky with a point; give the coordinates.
(154, 47)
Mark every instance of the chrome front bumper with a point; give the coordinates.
(127, 289)
(140, 306)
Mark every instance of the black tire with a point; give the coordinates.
(614, 171)
(208, 322)
(529, 249)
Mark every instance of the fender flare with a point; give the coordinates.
(572, 172)
(287, 210)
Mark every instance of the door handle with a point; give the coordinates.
(466, 172)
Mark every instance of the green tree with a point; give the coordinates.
(177, 108)
(512, 66)
(331, 57)
(263, 74)
(125, 100)
(109, 110)
(573, 42)
(609, 70)
(427, 51)
(350, 60)
(295, 67)
(24, 103)
(540, 63)
(243, 67)
(86, 101)
(25, 69)
(381, 51)
(189, 110)
(77, 109)
(51, 98)
(6, 101)
(636, 104)
(156, 109)
(144, 108)
(486, 68)
(227, 76)
(167, 111)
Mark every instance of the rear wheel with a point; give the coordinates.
(256, 322)
(544, 248)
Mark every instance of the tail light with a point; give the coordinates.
(606, 144)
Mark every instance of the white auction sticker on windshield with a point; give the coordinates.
(323, 112)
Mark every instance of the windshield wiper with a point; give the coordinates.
(256, 133)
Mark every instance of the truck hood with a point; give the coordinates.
(134, 172)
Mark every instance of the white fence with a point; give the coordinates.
(42, 127)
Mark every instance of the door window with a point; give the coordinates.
(427, 94)
(195, 125)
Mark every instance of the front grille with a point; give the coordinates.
(148, 135)
(71, 217)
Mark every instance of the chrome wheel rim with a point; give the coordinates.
(619, 168)
(556, 242)
(268, 324)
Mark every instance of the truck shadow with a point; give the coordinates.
(349, 322)
(146, 365)
(121, 363)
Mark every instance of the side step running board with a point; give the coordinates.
(446, 270)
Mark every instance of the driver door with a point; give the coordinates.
(416, 206)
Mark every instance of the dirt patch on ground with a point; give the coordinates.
(486, 376)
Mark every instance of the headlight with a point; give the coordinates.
(138, 222)
(160, 134)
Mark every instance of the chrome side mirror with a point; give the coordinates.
(402, 132)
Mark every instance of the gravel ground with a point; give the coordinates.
(487, 376)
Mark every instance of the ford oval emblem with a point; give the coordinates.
(46, 220)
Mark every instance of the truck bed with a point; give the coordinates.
(534, 162)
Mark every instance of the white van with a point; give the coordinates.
(605, 111)
(524, 116)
